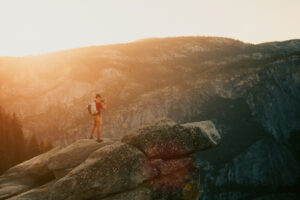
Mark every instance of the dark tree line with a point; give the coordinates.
(14, 147)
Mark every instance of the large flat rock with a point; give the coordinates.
(26, 175)
(166, 139)
(111, 169)
(39, 193)
(67, 158)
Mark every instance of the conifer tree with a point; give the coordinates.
(14, 148)
(33, 147)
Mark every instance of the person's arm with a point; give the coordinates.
(103, 106)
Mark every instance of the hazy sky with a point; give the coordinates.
(38, 26)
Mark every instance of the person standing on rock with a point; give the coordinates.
(97, 118)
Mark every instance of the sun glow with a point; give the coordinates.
(35, 26)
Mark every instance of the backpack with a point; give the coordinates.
(92, 108)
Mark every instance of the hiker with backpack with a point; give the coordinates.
(94, 109)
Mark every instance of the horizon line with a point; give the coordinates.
(137, 40)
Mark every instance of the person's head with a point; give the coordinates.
(98, 97)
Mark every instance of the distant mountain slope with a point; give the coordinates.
(251, 92)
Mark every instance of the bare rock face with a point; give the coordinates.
(136, 194)
(150, 162)
(66, 159)
(108, 170)
(166, 139)
(26, 175)
(38, 193)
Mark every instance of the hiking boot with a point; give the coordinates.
(99, 140)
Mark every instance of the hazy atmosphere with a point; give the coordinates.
(149, 100)
(35, 26)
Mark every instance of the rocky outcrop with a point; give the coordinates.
(27, 175)
(124, 170)
(65, 160)
(167, 140)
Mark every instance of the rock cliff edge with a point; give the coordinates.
(152, 161)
